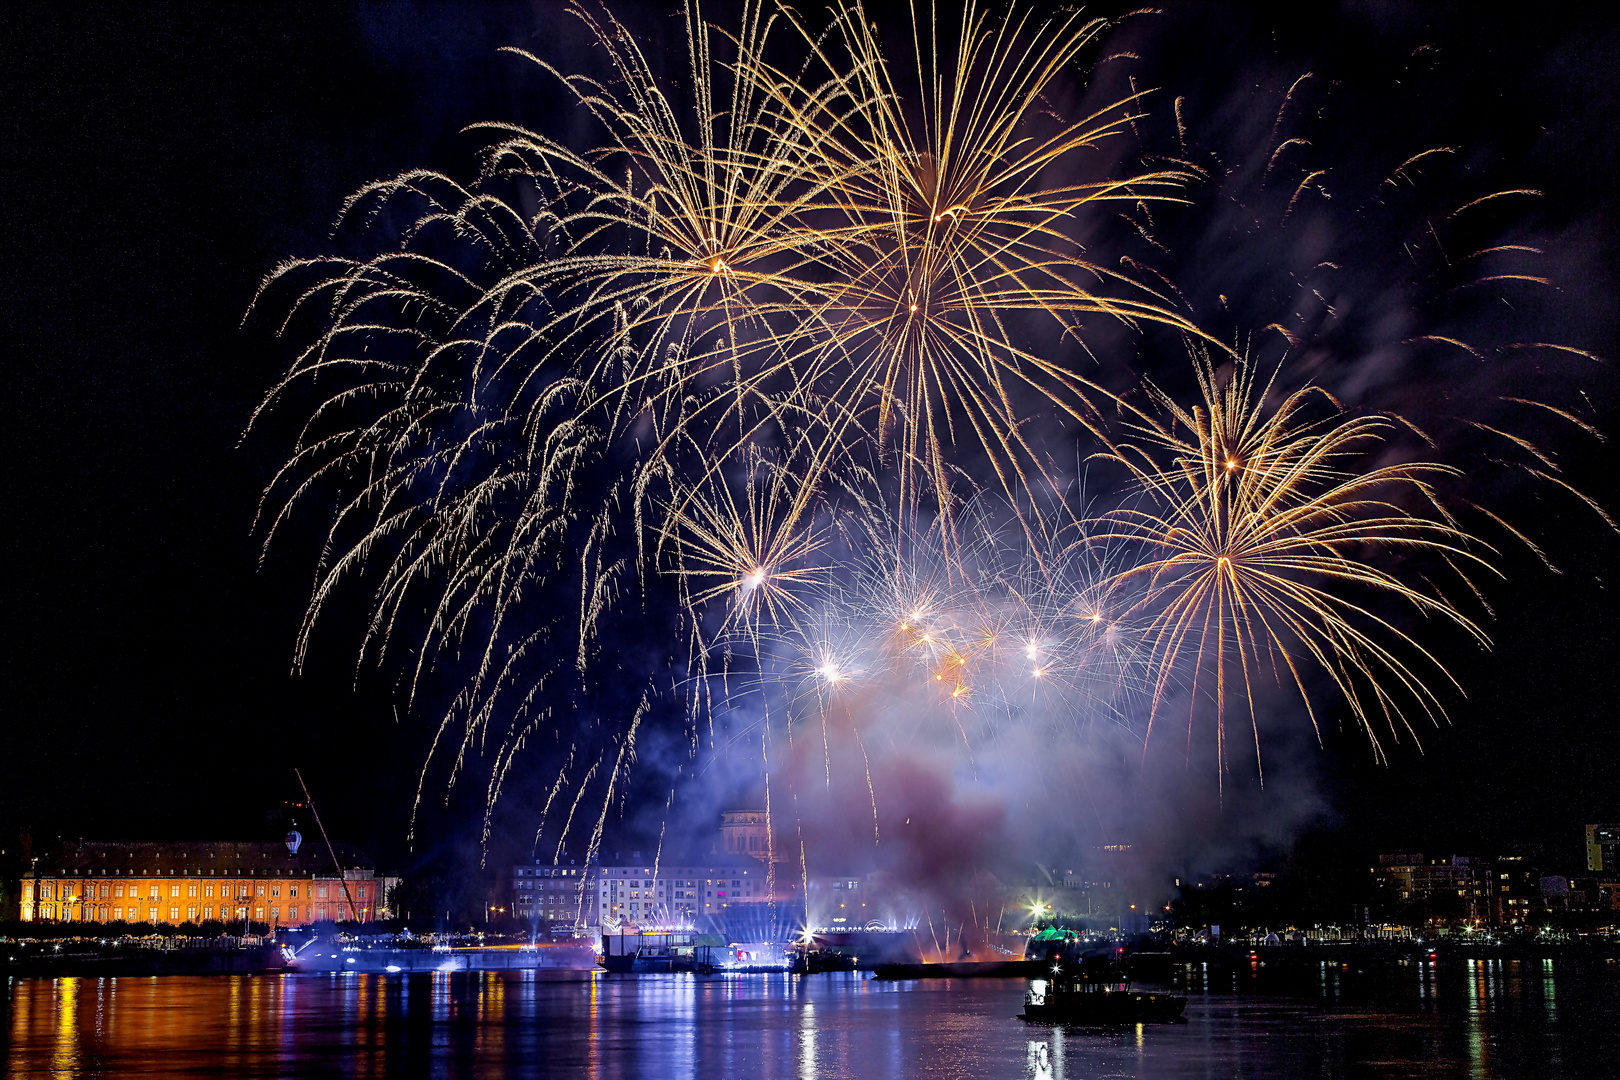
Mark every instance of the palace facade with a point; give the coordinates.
(87, 881)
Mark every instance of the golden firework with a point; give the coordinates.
(1259, 525)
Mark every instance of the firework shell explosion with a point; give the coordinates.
(801, 365)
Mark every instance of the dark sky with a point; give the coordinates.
(157, 161)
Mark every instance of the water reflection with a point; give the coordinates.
(1473, 1019)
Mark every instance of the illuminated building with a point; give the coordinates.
(560, 898)
(677, 892)
(732, 879)
(1603, 848)
(193, 882)
(1448, 887)
(1516, 888)
(681, 895)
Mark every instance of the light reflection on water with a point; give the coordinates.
(1470, 1019)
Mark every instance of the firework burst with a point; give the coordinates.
(783, 356)
(1257, 523)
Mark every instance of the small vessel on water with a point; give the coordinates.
(1088, 990)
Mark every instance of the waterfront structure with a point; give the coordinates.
(1603, 849)
(197, 881)
(684, 894)
(731, 883)
(561, 898)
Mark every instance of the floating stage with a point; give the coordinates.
(331, 957)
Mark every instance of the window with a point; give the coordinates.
(153, 893)
(261, 890)
(191, 913)
(191, 891)
(174, 891)
(106, 890)
(292, 890)
(174, 913)
(208, 912)
(118, 890)
(208, 890)
(275, 890)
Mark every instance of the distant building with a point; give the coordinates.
(683, 894)
(196, 881)
(1603, 849)
(1448, 887)
(561, 898)
(1516, 888)
(745, 832)
(733, 884)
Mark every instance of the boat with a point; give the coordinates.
(1093, 990)
(1087, 1001)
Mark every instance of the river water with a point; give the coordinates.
(1473, 1019)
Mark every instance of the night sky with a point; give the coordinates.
(157, 162)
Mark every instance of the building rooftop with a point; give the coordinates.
(209, 857)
